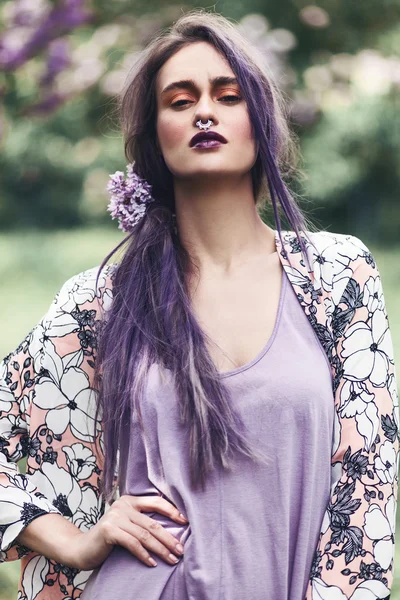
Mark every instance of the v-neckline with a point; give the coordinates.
(267, 346)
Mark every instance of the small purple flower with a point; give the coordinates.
(129, 197)
(57, 61)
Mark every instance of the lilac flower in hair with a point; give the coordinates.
(129, 197)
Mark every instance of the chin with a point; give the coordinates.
(210, 165)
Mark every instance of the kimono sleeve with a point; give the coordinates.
(45, 384)
(354, 558)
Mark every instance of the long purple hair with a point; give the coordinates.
(151, 319)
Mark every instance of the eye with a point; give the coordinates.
(232, 96)
(178, 102)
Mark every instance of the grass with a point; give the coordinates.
(35, 265)
(33, 268)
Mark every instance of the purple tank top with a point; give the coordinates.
(253, 531)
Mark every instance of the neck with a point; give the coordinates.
(219, 225)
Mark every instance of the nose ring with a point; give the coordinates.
(204, 125)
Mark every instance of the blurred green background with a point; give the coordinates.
(61, 66)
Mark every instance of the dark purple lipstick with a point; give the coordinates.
(207, 137)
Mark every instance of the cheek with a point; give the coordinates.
(170, 133)
(243, 129)
(246, 149)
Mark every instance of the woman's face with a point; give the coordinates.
(180, 107)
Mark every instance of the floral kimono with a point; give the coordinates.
(47, 407)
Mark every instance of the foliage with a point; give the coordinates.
(64, 62)
(351, 159)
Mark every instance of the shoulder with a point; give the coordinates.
(91, 288)
(337, 257)
(342, 244)
(334, 261)
(326, 244)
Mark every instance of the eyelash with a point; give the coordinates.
(236, 98)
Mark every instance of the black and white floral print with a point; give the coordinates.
(343, 299)
(47, 404)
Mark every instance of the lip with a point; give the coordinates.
(207, 135)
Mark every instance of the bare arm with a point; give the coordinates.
(55, 537)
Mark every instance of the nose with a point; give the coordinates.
(205, 120)
(205, 111)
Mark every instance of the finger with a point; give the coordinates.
(158, 532)
(135, 547)
(147, 541)
(156, 503)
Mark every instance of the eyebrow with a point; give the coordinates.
(189, 83)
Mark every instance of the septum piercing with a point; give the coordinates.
(204, 125)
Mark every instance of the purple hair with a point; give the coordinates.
(151, 319)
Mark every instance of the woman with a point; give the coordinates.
(151, 386)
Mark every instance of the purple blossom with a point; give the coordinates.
(129, 197)
(45, 106)
(61, 19)
(28, 13)
(58, 60)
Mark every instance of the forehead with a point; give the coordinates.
(199, 61)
